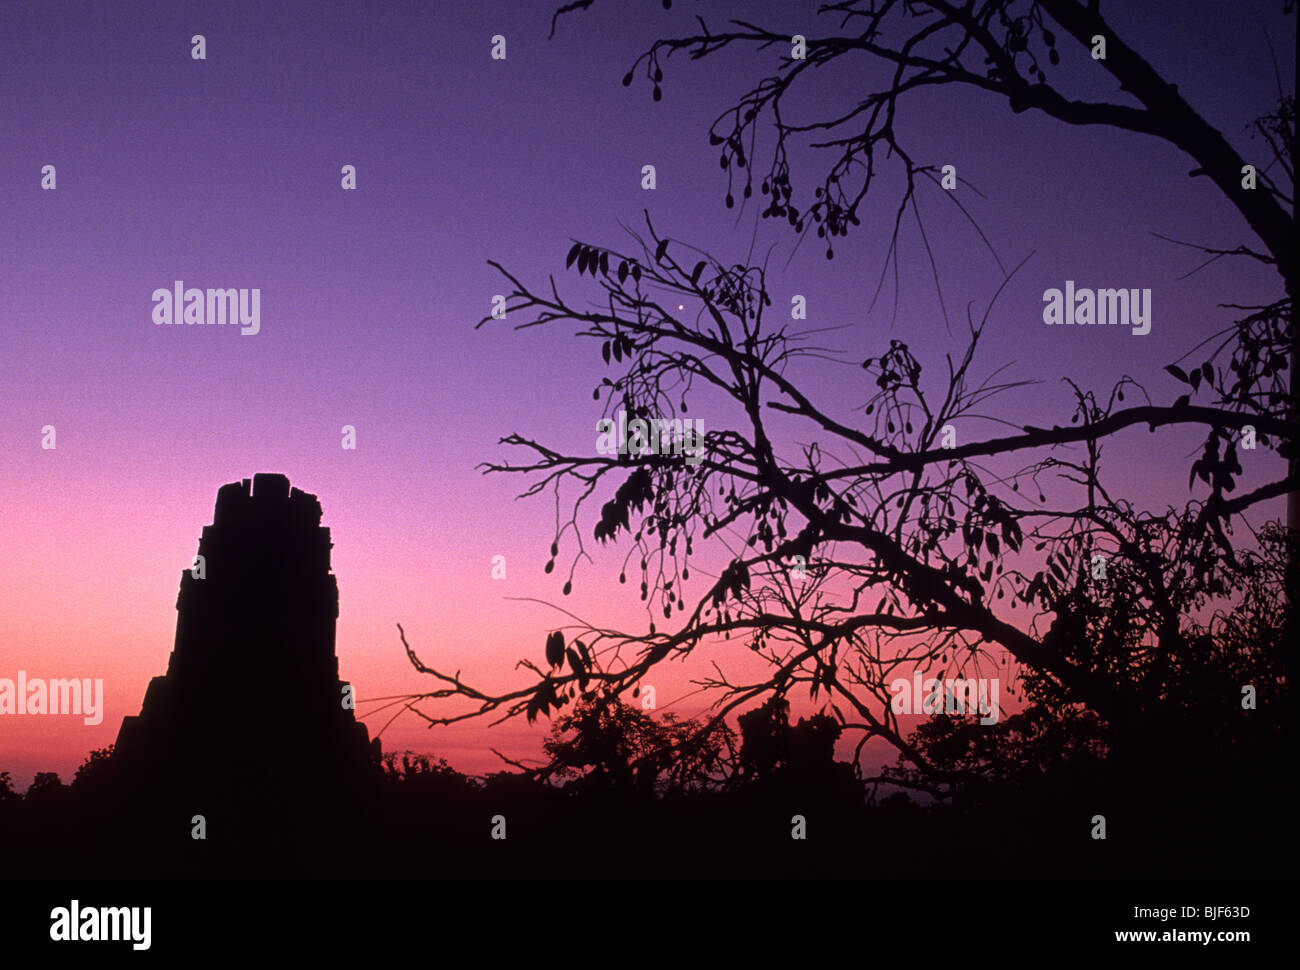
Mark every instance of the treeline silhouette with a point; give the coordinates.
(626, 793)
(1193, 780)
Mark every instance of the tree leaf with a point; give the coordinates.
(555, 649)
(577, 666)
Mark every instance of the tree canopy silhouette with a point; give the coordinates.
(876, 547)
(604, 743)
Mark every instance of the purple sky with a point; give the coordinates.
(226, 173)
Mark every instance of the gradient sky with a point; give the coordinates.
(225, 173)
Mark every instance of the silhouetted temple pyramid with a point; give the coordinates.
(249, 719)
